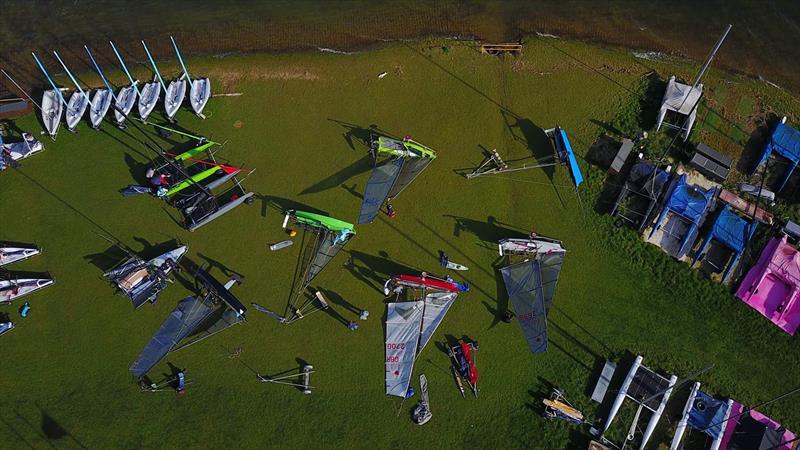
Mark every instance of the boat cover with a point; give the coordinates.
(785, 141)
(732, 230)
(708, 415)
(525, 290)
(566, 154)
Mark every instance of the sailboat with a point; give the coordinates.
(148, 96)
(200, 90)
(323, 238)
(407, 159)
(531, 284)
(53, 103)
(174, 94)
(102, 97)
(126, 97)
(78, 102)
(410, 325)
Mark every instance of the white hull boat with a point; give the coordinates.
(199, 95)
(176, 92)
(529, 246)
(10, 255)
(100, 105)
(76, 108)
(126, 100)
(148, 99)
(21, 150)
(11, 290)
(52, 109)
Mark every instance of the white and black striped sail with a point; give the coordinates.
(387, 181)
(411, 169)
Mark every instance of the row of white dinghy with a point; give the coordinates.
(55, 105)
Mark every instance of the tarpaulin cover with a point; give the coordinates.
(708, 414)
(690, 201)
(524, 286)
(732, 230)
(641, 179)
(784, 141)
(381, 180)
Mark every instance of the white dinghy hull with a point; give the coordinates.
(126, 100)
(176, 92)
(100, 105)
(52, 109)
(11, 290)
(199, 95)
(9, 255)
(149, 97)
(21, 150)
(76, 108)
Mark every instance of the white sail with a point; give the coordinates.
(409, 327)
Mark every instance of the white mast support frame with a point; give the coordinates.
(651, 425)
(74, 81)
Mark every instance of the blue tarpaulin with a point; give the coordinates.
(732, 231)
(785, 141)
(708, 414)
(690, 202)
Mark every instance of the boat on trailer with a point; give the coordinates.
(78, 102)
(53, 103)
(540, 244)
(28, 147)
(102, 97)
(200, 88)
(174, 93)
(10, 254)
(650, 391)
(142, 281)
(204, 205)
(14, 288)
(127, 95)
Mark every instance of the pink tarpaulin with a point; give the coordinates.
(736, 417)
(772, 286)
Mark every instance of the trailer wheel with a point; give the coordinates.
(249, 200)
(618, 223)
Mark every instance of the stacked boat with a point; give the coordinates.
(16, 285)
(55, 104)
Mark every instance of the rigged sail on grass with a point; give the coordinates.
(409, 327)
(323, 238)
(531, 286)
(194, 319)
(407, 159)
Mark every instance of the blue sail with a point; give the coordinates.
(380, 183)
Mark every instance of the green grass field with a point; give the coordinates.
(66, 382)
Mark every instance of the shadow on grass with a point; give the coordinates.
(339, 178)
(490, 231)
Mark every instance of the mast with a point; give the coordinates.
(125, 68)
(158, 74)
(20, 89)
(55, 88)
(100, 72)
(177, 52)
(74, 81)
